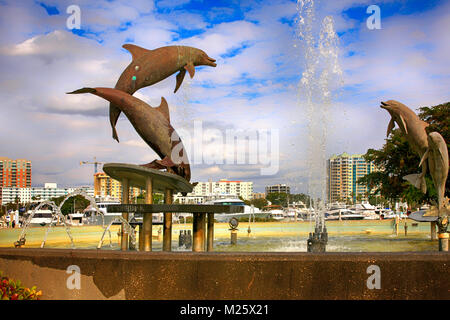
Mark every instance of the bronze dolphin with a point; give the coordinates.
(414, 130)
(151, 66)
(153, 125)
(437, 155)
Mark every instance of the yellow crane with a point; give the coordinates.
(95, 163)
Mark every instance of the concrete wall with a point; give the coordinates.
(185, 275)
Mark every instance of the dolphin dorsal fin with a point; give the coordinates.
(164, 109)
(135, 50)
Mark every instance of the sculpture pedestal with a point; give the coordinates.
(151, 180)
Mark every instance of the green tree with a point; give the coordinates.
(72, 204)
(278, 198)
(258, 203)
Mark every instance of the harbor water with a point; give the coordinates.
(344, 236)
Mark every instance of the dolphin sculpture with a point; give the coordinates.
(153, 125)
(414, 130)
(151, 66)
(437, 155)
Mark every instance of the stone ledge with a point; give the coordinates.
(234, 276)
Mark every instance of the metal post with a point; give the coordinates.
(210, 235)
(443, 241)
(233, 237)
(125, 200)
(433, 231)
(198, 232)
(147, 222)
(167, 231)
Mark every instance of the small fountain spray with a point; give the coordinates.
(57, 213)
(320, 77)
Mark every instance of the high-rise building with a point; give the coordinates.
(278, 188)
(343, 172)
(14, 173)
(107, 187)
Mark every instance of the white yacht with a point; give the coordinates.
(76, 219)
(276, 214)
(343, 214)
(249, 211)
(93, 217)
(365, 209)
(41, 217)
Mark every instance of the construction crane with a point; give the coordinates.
(95, 163)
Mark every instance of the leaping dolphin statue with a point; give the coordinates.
(153, 125)
(151, 66)
(437, 155)
(414, 130)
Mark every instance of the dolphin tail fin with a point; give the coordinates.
(83, 90)
(160, 164)
(417, 180)
(432, 212)
(153, 165)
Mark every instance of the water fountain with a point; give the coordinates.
(321, 77)
(56, 214)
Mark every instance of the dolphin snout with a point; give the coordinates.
(384, 105)
(211, 62)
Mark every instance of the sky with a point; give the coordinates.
(255, 86)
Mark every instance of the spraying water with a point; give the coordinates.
(321, 77)
(56, 212)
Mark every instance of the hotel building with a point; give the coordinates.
(107, 187)
(14, 174)
(343, 172)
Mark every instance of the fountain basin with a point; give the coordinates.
(228, 275)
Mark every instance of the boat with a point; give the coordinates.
(249, 211)
(42, 217)
(276, 214)
(343, 214)
(365, 209)
(94, 218)
(76, 219)
(290, 214)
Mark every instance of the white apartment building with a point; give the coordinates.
(50, 190)
(224, 187)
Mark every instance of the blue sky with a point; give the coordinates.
(254, 86)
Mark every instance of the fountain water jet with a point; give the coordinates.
(320, 77)
(128, 228)
(58, 213)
